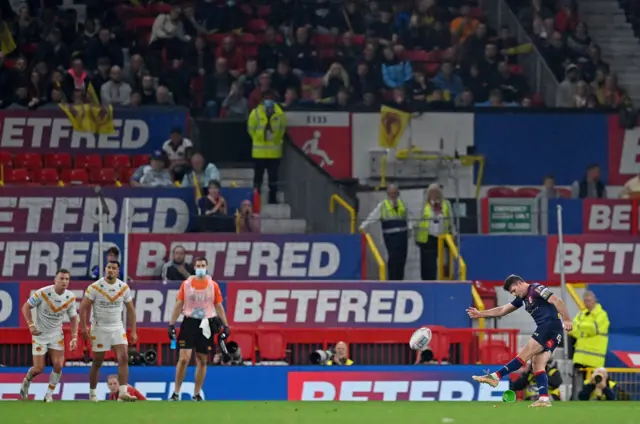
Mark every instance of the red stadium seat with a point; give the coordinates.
(17, 176)
(124, 175)
(247, 38)
(80, 353)
(417, 55)
(312, 82)
(565, 193)
(117, 161)
(527, 192)
(440, 346)
(47, 176)
(91, 161)
(264, 11)
(75, 176)
(28, 161)
(326, 54)
(57, 160)
(358, 40)
(142, 23)
(140, 160)
(271, 345)
(494, 352)
(247, 344)
(501, 192)
(104, 176)
(257, 25)
(250, 50)
(6, 159)
(323, 40)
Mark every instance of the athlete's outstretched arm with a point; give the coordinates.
(562, 309)
(499, 311)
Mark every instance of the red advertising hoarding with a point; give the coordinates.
(610, 216)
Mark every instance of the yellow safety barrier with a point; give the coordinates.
(466, 160)
(571, 288)
(382, 268)
(335, 198)
(627, 380)
(479, 304)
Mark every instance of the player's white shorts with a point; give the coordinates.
(102, 340)
(52, 340)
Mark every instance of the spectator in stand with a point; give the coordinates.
(153, 175)
(628, 114)
(177, 269)
(566, 19)
(582, 94)
(347, 53)
(213, 204)
(513, 86)
(136, 99)
(373, 14)
(76, 79)
(325, 17)
(465, 99)
(235, 105)
(134, 71)
(473, 47)
(282, 14)
(246, 220)
(476, 84)
(335, 79)
(610, 95)
(382, 29)
(67, 22)
(353, 18)
(101, 76)
(488, 67)
(549, 190)
(370, 57)
(264, 85)
(270, 51)
(167, 33)
(463, 25)
(591, 186)
(495, 100)
(177, 78)
(439, 38)
(37, 91)
(217, 87)
(115, 92)
(199, 57)
(148, 92)
(192, 27)
(631, 189)
(291, 99)
(505, 42)
(557, 55)
(20, 99)
(283, 79)
(53, 51)
(579, 41)
(421, 87)
(369, 102)
(533, 14)
(85, 39)
(104, 46)
(446, 81)
(163, 96)
(395, 72)
(249, 81)
(19, 75)
(177, 149)
(400, 101)
(567, 90)
(342, 99)
(304, 57)
(594, 63)
(200, 173)
(234, 56)
(229, 17)
(364, 81)
(28, 28)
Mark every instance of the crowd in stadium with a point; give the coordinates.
(219, 58)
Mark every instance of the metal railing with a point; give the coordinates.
(377, 257)
(540, 76)
(310, 196)
(336, 198)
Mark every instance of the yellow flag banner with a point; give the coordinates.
(90, 119)
(521, 49)
(7, 43)
(393, 123)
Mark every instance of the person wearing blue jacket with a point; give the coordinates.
(113, 254)
(448, 82)
(395, 72)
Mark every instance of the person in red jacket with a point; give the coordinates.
(114, 387)
(233, 54)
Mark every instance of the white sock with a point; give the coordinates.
(54, 378)
(494, 375)
(123, 389)
(92, 393)
(29, 377)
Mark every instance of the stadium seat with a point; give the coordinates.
(247, 344)
(247, 38)
(417, 55)
(565, 193)
(104, 176)
(323, 40)
(57, 160)
(271, 345)
(17, 176)
(46, 176)
(124, 175)
(75, 176)
(494, 352)
(140, 160)
(80, 353)
(257, 25)
(117, 161)
(264, 11)
(28, 161)
(527, 192)
(500, 192)
(440, 346)
(141, 23)
(6, 160)
(358, 40)
(91, 161)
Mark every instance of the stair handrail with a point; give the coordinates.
(336, 198)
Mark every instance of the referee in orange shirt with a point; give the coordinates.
(200, 301)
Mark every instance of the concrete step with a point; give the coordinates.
(280, 211)
(283, 226)
(236, 174)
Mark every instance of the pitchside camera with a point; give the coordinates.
(149, 357)
(231, 353)
(320, 357)
(426, 356)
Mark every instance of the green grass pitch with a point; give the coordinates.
(84, 412)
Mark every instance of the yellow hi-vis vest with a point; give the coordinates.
(267, 144)
(594, 396)
(422, 235)
(591, 330)
(393, 220)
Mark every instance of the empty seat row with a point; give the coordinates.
(53, 177)
(523, 192)
(61, 161)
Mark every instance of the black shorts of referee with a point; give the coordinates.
(191, 337)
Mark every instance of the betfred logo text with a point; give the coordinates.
(382, 386)
(323, 304)
(624, 152)
(603, 216)
(596, 258)
(252, 258)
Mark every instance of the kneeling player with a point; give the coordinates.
(114, 389)
(107, 299)
(52, 304)
(544, 307)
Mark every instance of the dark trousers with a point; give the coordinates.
(397, 245)
(271, 166)
(429, 259)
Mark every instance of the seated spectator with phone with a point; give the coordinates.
(213, 211)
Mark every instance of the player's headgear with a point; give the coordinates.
(511, 280)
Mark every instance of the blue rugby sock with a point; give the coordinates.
(512, 366)
(542, 381)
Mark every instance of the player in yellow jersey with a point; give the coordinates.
(51, 304)
(107, 299)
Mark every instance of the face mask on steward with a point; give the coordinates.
(201, 272)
